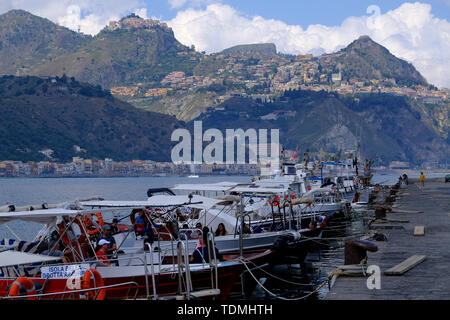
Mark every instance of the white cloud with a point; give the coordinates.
(176, 4)
(141, 12)
(410, 32)
(88, 15)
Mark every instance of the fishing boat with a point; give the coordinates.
(172, 211)
(257, 207)
(51, 275)
(328, 197)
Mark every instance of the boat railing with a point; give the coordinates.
(172, 240)
(125, 237)
(183, 262)
(145, 264)
(63, 293)
(96, 263)
(184, 231)
(155, 297)
(241, 217)
(213, 262)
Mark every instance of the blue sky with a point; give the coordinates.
(299, 12)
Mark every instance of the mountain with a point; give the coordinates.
(375, 97)
(364, 59)
(61, 113)
(257, 48)
(128, 51)
(387, 127)
(140, 53)
(28, 41)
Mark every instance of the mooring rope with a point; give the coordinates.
(274, 276)
(277, 296)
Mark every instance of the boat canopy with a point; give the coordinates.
(40, 216)
(248, 189)
(280, 186)
(12, 258)
(220, 186)
(322, 190)
(212, 219)
(157, 201)
(278, 182)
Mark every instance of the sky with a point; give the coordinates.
(418, 32)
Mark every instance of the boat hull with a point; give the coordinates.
(167, 280)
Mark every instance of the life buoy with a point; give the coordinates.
(89, 224)
(361, 180)
(81, 242)
(86, 284)
(275, 202)
(25, 283)
(63, 233)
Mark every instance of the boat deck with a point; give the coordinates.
(429, 279)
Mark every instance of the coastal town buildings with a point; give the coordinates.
(80, 167)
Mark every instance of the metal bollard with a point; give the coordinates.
(356, 251)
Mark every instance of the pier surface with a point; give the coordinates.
(428, 280)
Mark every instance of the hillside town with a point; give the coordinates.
(265, 77)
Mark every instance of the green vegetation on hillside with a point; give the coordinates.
(258, 48)
(386, 126)
(364, 59)
(61, 113)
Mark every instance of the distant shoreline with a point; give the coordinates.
(128, 176)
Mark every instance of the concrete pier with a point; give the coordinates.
(429, 279)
